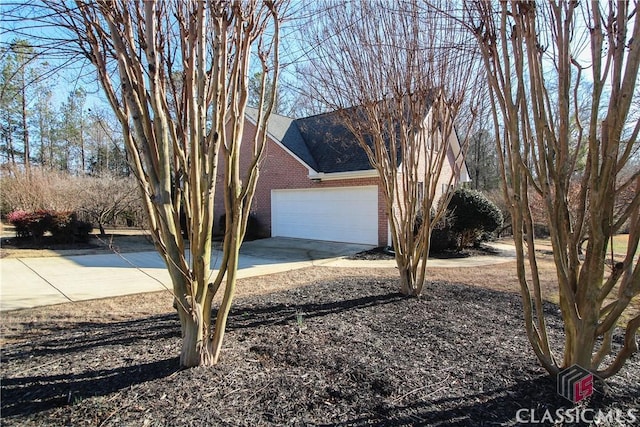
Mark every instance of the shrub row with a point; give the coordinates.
(65, 227)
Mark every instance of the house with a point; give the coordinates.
(316, 182)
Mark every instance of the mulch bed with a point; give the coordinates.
(347, 352)
(382, 253)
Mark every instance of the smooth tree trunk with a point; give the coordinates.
(197, 348)
(575, 163)
(400, 112)
(180, 120)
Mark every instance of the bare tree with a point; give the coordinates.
(22, 73)
(398, 75)
(176, 76)
(537, 56)
(103, 198)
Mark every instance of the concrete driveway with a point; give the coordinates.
(32, 282)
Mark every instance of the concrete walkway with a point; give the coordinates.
(32, 282)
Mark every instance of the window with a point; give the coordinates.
(446, 188)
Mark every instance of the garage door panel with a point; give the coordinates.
(342, 214)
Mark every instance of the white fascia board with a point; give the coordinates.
(458, 154)
(333, 176)
(464, 175)
(292, 154)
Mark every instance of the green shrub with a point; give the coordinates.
(254, 228)
(473, 214)
(442, 237)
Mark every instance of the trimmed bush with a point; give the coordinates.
(64, 226)
(473, 214)
(67, 228)
(442, 237)
(254, 228)
(20, 220)
(30, 224)
(39, 223)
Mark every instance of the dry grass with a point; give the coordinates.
(620, 243)
(503, 277)
(121, 240)
(18, 325)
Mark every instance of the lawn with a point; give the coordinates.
(122, 240)
(620, 243)
(548, 271)
(318, 346)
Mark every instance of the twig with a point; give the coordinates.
(114, 412)
(116, 252)
(398, 399)
(40, 366)
(134, 399)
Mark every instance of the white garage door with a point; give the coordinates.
(345, 214)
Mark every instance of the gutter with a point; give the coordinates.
(333, 176)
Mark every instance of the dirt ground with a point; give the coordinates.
(318, 346)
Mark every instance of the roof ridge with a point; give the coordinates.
(326, 113)
(272, 113)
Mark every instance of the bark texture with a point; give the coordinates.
(577, 161)
(176, 76)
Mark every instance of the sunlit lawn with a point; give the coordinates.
(620, 242)
(505, 274)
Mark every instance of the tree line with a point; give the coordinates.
(71, 137)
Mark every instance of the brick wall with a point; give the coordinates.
(279, 170)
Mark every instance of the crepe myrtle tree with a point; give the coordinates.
(536, 55)
(399, 77)
(176, 75)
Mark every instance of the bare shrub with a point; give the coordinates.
(105, 199)
(39, 190)
(101, 200)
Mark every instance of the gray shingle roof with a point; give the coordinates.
(285, 130)
(332, 145)
(322, 141)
